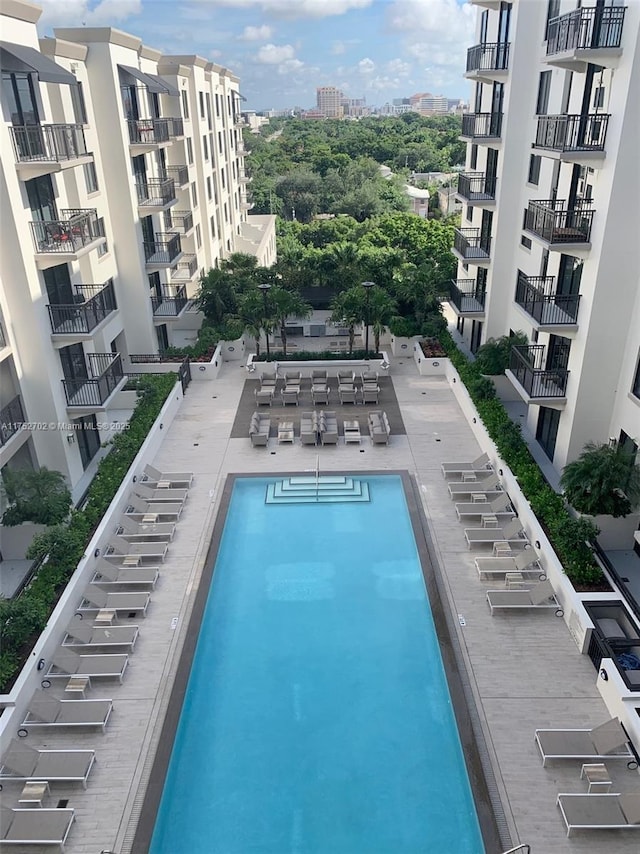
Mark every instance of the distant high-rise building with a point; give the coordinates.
(329, 102)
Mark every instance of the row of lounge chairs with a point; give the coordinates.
(367, 391)
(317, 427)
(93, 650)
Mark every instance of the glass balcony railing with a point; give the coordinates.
(48, 143)
(93, 303)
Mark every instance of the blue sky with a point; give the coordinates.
(283, 49)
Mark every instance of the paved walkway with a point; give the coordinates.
(525, 670)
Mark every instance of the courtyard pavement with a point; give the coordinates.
(524, 669)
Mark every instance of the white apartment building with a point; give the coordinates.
(550, 225)
(329, 102)
(123, 181)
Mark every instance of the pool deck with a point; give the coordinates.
(525, 670)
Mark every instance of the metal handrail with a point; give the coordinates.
(490, 56)
(586, 28)
(482, 125)
(76, 228)
(49, 143)
(525, 847)
(97, 303)
(572, 133)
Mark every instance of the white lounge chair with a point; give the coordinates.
(167, 479)
(489, 486)
(605, 742)
(468, 511)
(36, 827)
(169, 496)
(133, 531)
(152, 511)
(22, 763)
(539, 598)
(45, 710)
(610, 811)
(96, 599)
(118, 548)
(82, 635)
(525, 562)
(66, 662)
(480, 463)
(512, 533)
(109, 574)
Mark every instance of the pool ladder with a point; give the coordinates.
(524, 848)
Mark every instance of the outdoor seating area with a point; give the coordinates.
(259, 429)
(314, 427)
(292, 388)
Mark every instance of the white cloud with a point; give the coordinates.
(366, 66)
(292, 8)
(256, 34)
(290, 66)
(57, 13)
(272, 54)
(399, 67)
(338, 48)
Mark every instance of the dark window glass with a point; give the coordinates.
(201, 99)
(544, 87)
(41, 198)
(478, 98)
(469, 213)
(74, 364)
(88, 438)
(526, 242)
(503, 22)
(189, 151)
(473, 162)
(58, 284)
(569, 275)
(77, 100)
(534, 169)
(154, 105)
(484, 19)
(636, 381)
(547, 430)
(598, 98)
(18, 93)
(90, 177)
(218, 106)
(130, 102)
(185, 103)
(553, 10)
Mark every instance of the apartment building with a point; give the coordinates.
(549, 224)
(329, 102)
(123, 180)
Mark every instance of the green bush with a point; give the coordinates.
(494, 355)
(568, 536)
(61, 547)
(405, 327)
(39, 496)
(321, 356)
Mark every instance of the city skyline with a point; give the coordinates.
(282, 51)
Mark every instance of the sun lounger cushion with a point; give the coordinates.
(630, 806)
(609, 737)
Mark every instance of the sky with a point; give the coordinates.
(283, 49)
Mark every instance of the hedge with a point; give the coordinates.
(310, 356)
(568, 536)
(61, 547)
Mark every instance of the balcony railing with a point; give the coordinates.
(11, 419)
(76, 229)
(105, 373)
(553, 222)
(467, 296)
(163, 250)
(470, 245)
(482, 125)
(180, 221)
(48, 143)
(492, 56)
(156, 193)
(186, 269)
(93, 303)
(148, 131)
(537, 296)
(586, 29)
(526, 364)
(477, 186)
(170, 303)
(176, 127)
(180, 175)
(573, 133)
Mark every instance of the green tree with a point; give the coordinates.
(348, 309)
(603, 481)
(38, 496)
(285, 304)
(382, 308)
(216, 297)
(494, 356)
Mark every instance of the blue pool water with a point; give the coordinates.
(317, 718)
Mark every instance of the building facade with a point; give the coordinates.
(123, 181)
(549, 228)
(329, 102)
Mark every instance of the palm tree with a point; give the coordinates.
(251, 312)
(349, 308)
(285, 304)
(216, 297)
(382, 307)
(603, 480)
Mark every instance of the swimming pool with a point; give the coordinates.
(317, 718)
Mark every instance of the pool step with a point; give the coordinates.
(326, 490)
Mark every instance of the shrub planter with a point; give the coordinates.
(430, 366)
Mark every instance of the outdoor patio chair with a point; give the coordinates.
(30, 827)
(96, 599)
(66, 662)
(118, 547)
(474, 510)
(480, 463)
(157, 495)
(131, 531)
(259, 429)
(147, 511)
(370, 394)
(82, 635)
(22, 763)
(379, 428)
(512, 533)
(328, 427)
(320, 394)
(369, 377)
(525, 562)
(45, 710)
(608, 811)
(607, 741)
(488, 486)
(347, 394)
(167, 479)
(345, 377)
(539, 598)
(318, 375)
(309, 428)
(293, 378)
(479, 476)
(290, 394)
(110, 574)
(264, 396)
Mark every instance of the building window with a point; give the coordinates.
(636, 381)
(212, 222)
(185, 103)
(209, 190)
(90, 177)
(469, 213)
(88, 438)
(547, 430)
(553, 10)
(209, 122)
(77, 101)
(218, 106)
(598, 98)
(226, 213)
(544, 87)
(201, 97)
(18, 91)
(189, 151)
(220, 141)
(525, 242)
(198, 237)
(194, 195)
(104, 247)
(205, 146)
(222, 178)
(211, 148)
(534, 169)
(473, 161)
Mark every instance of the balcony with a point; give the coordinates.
(489, 61)
(92, 392)
(477, 188)
(467, 298)
(11, 419)
(150, 134)
(243, 178)
(482, 127)
(536, 295)
(180, 221)
(186, 269)
(246, 204)
(66, 239)
(485, 4)
(180, 175)
(44, 149)
(572, 138)
(156, 194)
(559, 227)
(470, 247)
(586, 35)
(533, 382)
(162, 252)
(170, 304)
(92, 304)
